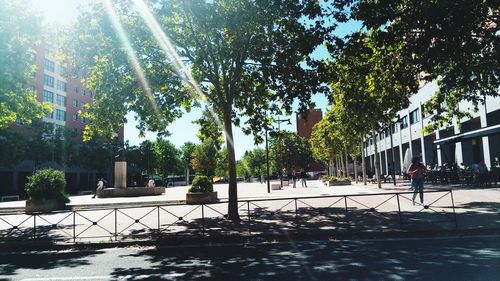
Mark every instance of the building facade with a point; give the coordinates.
(56, 84)
(468, 141)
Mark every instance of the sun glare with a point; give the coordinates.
(58, 12)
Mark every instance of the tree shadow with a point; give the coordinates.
(14, 261)
(320, 260)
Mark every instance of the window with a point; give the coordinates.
(48, 80)
(91, 94)
(76, 90)
(48, 96)
(414, 116)
(404, 122)
(75, 103)
(59, 128)
(75, 117)
(60, 115)
(395, 128)
(83, 105)
(48, 65)
(61, 100)
(63, 70)
(49, 115)
(84, 92)
(61, 85)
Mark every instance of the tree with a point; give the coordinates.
(256, 161)
(289, 151)
(205, 158)
(454, 42)
(372, 81)
(167, 159)
(186, 157)
(210, 128)
(13, 148)
(243, 57)
(19, 33)
(221, 165)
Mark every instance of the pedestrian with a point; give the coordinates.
(303, 177)
(417, 172)
(100, 185)
(151, 183)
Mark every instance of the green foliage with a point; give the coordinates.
(335, 179)
(245, 58)
(201, 184)
(210, 128)
(47, 184)
(454, 42)
(288, 151)
(167, 158)
(205, 158)
(19, 33)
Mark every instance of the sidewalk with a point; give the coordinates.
(369, 212)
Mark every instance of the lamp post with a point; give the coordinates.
(279, 121)
(267, 164)
(392, 150)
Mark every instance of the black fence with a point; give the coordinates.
(360, 213)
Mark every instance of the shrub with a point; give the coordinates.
(47, 184)
(202, 184)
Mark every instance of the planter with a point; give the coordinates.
(43, 206)
(337, 183)
(275, 186)
(201, 197)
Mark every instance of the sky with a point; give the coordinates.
(64, 12)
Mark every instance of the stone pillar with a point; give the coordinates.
(120, 174)
(458, 146)
(438, 149)
(486, 142)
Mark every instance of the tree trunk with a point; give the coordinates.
(363, 162)
(346, 165)
(376, 164)
(232, 209)
(355, 170)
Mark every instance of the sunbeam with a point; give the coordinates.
(169, 49)
(131, 55)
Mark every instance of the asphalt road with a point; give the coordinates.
(469, 258)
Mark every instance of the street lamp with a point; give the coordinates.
(392, 149)
(279, 121)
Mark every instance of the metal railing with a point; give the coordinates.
(277, 216)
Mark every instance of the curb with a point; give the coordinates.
(221, 240)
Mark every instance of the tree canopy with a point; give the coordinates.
(20, 33)
(242, 58)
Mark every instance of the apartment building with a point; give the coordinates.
(468, 141)
(55, 83)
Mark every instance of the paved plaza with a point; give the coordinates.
(317, 209)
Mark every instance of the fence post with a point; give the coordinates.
(248, 214)
(203, 220)
(453, 206)
(399, 209)
(346, 212)
(116, 225)
(296, 214)
(34, 226)
(74, 226)
(159, 224)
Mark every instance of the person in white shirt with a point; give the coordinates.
(151, 183)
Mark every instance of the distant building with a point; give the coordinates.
(54, 83)
(469, 141)
(305, 124)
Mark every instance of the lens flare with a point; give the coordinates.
(166, 45)
(131, 55)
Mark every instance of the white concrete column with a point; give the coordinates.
(400, 148)
(485, 140)
(386, 159)
(438, 149)
(409, 130)
(458, 146)
(422, 137)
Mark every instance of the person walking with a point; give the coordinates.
(100, 185)
(303, 177)
(417, 172)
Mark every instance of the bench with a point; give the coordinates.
(10, 198)
(276, 186)
(85, 192)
